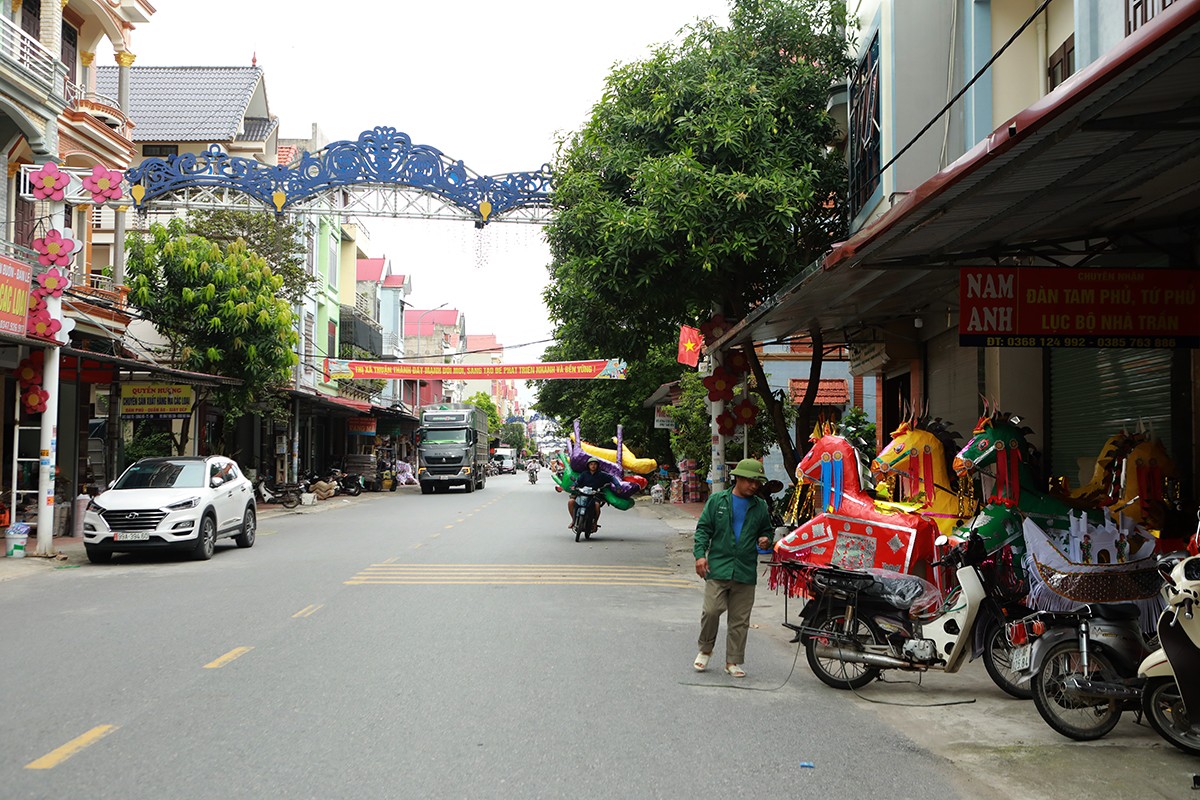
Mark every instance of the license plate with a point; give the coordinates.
(1019, 661)
(132, 536)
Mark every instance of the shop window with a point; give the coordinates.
(865, 133)
(1062, 62)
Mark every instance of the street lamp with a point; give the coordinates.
(420, 353)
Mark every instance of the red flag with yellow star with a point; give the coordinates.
(689, 345)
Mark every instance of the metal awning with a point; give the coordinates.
(1112, 152)
(114, 365)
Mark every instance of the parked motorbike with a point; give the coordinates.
(347, 482)
(286, 494)
(1170, 701)
(858, 623)
(587, 506)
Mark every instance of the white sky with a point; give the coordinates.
(489, 83)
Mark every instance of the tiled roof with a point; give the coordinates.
(285, 153)
(257, 129)
(184, 104)
(447, 317)
(370, 269)
(831, 392)
(483, 343)
(394, 281)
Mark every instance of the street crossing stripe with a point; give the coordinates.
(307, 611)
(517, 574)
(61, 754)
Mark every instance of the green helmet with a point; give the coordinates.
(750, 468)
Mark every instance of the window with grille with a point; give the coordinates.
(865, 134)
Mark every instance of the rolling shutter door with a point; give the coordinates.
(1096, 393)
(953, 382)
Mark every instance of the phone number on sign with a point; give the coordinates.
(1081, 341)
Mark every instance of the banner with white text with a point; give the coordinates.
(599, 369)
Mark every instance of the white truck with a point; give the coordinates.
(505, 459)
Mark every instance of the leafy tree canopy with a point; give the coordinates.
(282, 243)
(483, 400)
(513, 435)
(219, 310)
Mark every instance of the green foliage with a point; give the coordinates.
(281, 243)
(859, 430)
(513, 435)
(692, 437)
(146, 443)
(483, 400)
(219, 310)
(703, 178)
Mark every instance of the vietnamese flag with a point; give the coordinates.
(689, 345)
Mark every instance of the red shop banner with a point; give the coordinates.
(361, 426)
(1062, 307)
(15, 279)
(612, 369)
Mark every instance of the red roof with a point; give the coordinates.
(371, 269)
(285, 154)
(831, 392)
(394, 281)
(483, 343)
(428, 319)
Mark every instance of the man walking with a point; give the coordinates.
(734, 525)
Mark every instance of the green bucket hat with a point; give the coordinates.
(749, 468)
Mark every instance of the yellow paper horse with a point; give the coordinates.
(919, 455)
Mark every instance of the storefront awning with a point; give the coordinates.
(1112, 152)
(103, 368)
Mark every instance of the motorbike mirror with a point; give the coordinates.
(942, 540)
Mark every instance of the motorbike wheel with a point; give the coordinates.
(834, 672)
(289, 500)
(997, 659)
(1076, 718)
(580, 524)
(1164, 710)
(353, 489)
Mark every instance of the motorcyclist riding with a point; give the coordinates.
(532, 468)
(594, 479)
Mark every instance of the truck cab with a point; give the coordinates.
(452, 448)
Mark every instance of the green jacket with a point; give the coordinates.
(729, 560)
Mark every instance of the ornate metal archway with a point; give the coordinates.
(380, 174)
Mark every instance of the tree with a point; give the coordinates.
(513, 435)
(220, 313)
(483, 401)
(282, 243)
(704, 178)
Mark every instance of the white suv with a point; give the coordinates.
(185, 502)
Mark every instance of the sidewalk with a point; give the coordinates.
(69, 552)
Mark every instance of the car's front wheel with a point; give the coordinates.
(206, 541)
(249, 526)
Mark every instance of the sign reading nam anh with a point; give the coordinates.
(1042, 307)
(155, 401)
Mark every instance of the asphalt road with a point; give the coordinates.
(403, 645)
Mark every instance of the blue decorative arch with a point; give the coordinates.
(381, 155)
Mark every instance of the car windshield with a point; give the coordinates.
(163, 475)
(450, 436)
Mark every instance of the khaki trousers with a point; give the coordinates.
(738, 600)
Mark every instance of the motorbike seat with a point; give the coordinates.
(1114, 612)
(907, 592)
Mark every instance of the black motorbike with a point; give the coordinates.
(587, 507)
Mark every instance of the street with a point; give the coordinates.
(458, 645)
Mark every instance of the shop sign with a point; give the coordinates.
(156, 401)
(361, 426)
(662, 418)
(1042, 307)
(15, 280)
(389, 427)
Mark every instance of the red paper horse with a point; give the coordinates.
(850, 531)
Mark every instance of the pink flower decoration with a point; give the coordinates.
(56, 248)
(43, 325)
(28, 372)
(53, 282)
(48, 182)
(33, 401)
(36, 302)
(104, 184)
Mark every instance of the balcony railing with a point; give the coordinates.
(19, 47)
(102, 107)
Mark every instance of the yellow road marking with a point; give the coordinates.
(230, 656)
(392, 560)
(61, 754)
(448, 527)
(418, 544)
(307, 611)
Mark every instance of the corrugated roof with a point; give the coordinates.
(831, 392)
(370, 269)
(394, 281)
(184, 104)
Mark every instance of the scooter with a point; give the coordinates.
(533, 473)
(1172, 704)
(858, 623)
(286, 494)
(587, 506)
